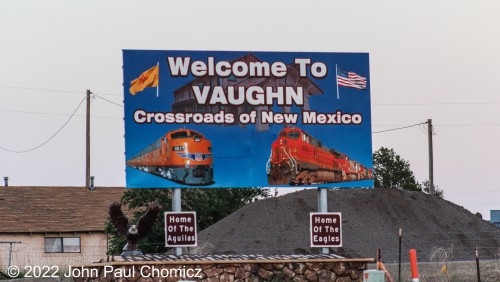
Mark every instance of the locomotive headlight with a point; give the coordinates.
(178, 148)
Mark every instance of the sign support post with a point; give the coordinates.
(176, 207)
(323, 207)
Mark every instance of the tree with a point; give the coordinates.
(437, 192)
(392, 171)
(211, 205)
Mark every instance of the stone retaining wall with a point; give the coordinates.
(308, 268)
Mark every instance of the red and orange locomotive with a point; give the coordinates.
(183, 156)
(297, 158)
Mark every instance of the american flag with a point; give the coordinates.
(350, 79)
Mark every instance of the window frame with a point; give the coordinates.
(61, 239)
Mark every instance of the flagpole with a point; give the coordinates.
(337, 80)
(158, 86)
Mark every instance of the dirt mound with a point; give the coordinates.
(438, 229)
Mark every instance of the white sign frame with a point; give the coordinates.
(195, 228)
(312, 245)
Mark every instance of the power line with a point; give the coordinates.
(108, 100)
(50, 138)
(399, 128)
(54, 114)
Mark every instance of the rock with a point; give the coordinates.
(278, 266)
(267, 266)
(329, 266)
(288, 272)
(239, 273)
(137, 274)
(251, 267)
(230, 269)
(311, 275)
(354, 274)
(300, 267)
(214, 271)
(300, 278)
(341, 269)
(344, 279)
(250, 277)
(357, 265)
(279, 277)
(264, 274)
(145, 279)
(315, 266)
(205, 266)
(226, 277)
(155, 279)
(326, 276)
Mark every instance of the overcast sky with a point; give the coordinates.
(434, 60)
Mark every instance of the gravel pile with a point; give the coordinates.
(438, 229)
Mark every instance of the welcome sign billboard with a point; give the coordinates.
(247, 119)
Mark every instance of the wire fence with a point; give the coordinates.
(428, 251)
(23, 255)
(440, 263)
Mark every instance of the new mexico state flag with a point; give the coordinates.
(148, 78)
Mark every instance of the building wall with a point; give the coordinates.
(31, 251)
(321, 270)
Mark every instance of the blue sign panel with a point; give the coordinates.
(247, 119)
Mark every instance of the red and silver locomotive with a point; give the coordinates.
(297, 158)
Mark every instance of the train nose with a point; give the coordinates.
(197, 172)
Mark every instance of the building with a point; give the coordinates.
(495, 217)
(185, 101)
(54, 225)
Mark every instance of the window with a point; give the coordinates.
(179, 134)
(62, 245)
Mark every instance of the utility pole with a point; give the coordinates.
(87, 143)
(431, 157)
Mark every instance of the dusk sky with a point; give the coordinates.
(434, 60)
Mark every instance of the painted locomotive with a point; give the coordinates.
(183, 156)
(297, 158)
